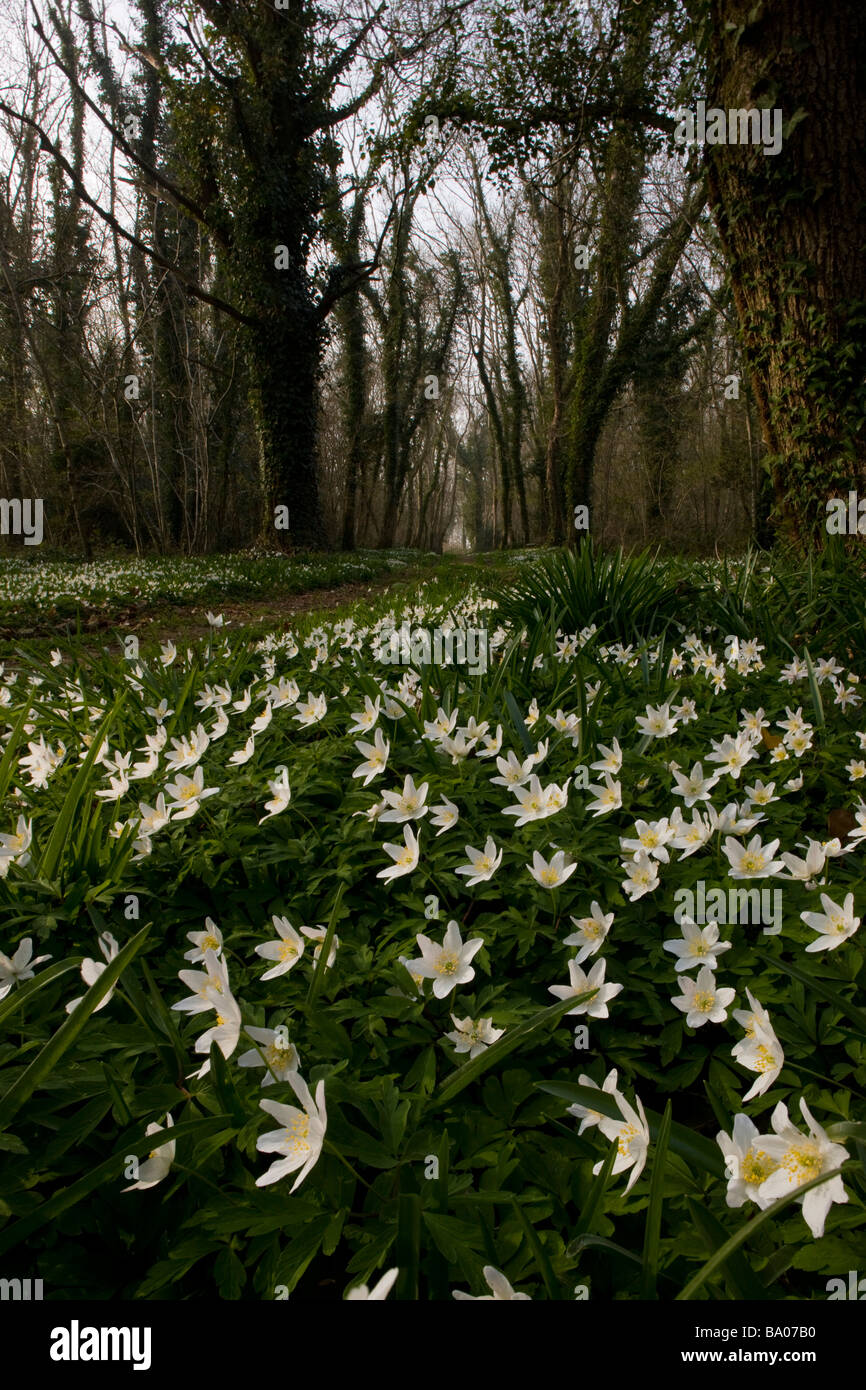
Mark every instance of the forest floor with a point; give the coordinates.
(181, 620)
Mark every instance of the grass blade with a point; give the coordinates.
(652, 1231)
(48, 1057)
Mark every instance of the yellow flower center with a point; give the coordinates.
(296, 1138)
(704, 1001)
(757, 1166)
(803, 1161)
(279, 1058)
(627, 1134)
(752, 863)
(447, 963)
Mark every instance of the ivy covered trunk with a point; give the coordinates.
(793, 226)
(284, 356)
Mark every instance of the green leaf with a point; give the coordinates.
(823, 990)
(698, 1152)
(593, 1206)
(545, 1268)
(229, 1273)
(470, 1071)
(10, 753)
(652, 1230)
(746, 1232)
(744, 1281)
(517, 720)
(321, 963)
(105, 1172)
(22, 993)
(817, 703)
(63, 825)
(46, 1060)
(601, 1242)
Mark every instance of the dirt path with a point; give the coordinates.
(160, 622)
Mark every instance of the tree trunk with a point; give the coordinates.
(284, 367)
(793, 226)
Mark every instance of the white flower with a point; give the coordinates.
(17, 968)
(642, 876)
(281, 796)
(590, 934)
(697, 946)
(311, 710)
(243, 755)
(300, 1137)
(16, 847)
(91, 971)
(209, 987)
(701, 1001)
(286, 952)
(375, 755)
(834, 925)
(458, 746)
(365, 719)
(277, 1055)
(581, 983)
(607, 797)
(611, 761)
(553, 873)
(657, 723)
(444, 815)
(473, 1036)
(187, 793)
(441, 726)
(632, 1138)
(261, 721)
(532, 803)
(490, 743)
(760, 1050)
(211, 939)
(156, 1166)
(405, 856)
(224, 1032)
(513, 772)
(187, 751)
(805, 870)
(692, 836)
(589, 1117)
(755, 861)
(215, 620)
(319, 934)
(651, 837)
(408, 804)
(501, 1290)
(747, 1163)
(800, 1158)
(378, 1294)
(446, 965)
(482, 863)
(694, 787)
(733, 753)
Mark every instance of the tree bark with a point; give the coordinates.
(793, 227)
